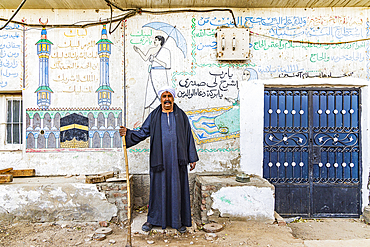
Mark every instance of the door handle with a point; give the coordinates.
(316, 155)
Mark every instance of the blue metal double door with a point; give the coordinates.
(312, 151)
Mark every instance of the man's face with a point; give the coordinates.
(167, 101)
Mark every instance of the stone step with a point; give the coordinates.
(48, 199)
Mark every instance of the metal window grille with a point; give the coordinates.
(14, 121)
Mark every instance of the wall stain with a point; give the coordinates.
(235, 163)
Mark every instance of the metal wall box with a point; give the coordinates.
(232, 43)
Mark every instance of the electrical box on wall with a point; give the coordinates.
(232, 43)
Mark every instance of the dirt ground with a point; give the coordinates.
(330, 229)
(235, 233)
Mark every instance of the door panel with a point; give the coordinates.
(335, 200)
(292, 199)
(312, 152)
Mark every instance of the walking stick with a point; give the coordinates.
(128, 194)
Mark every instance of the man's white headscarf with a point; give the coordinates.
(166, 89)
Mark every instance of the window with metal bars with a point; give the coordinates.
(14, 121)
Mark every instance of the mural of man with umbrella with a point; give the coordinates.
(160, 62)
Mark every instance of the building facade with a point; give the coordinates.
(304, 70)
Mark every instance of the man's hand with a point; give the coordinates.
(192, 166)
(122, 131)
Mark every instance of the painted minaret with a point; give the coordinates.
(104, 91)
(43, 51)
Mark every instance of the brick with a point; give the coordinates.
(103, 223)
(107, 174)
(22, 173)
(119, 194)
(6, 170)
(208, 187)
(115, 194)
(107, 187)
(281, 223)
(123, 187)
(6, 178)
(104, 187)
(279, 219)
(94, 179)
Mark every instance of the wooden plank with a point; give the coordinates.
(5, 170)
(22, 173)
(107, 174)
(6, 178)
(94, 179)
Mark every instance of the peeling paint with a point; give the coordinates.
(235, 163)
(50, 202)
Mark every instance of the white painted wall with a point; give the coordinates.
(251, 127)
(365, 144)
(248, 202)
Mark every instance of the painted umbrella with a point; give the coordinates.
(172, 32)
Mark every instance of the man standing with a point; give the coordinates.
(172, 148)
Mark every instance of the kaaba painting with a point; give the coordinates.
(74, 131)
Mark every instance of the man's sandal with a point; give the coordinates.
(147, 227)
(182, 229)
